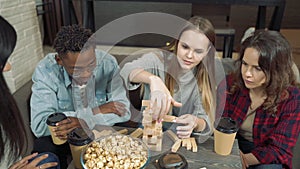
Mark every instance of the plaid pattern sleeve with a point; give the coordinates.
(274, 135)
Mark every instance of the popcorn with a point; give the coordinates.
(117, 152)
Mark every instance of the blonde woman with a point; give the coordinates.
(179, 80)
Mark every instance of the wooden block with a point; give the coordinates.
(153, 146)
(102, 133)
(184, 143)
(159, 133)
(159, 144)
(123, 131)
(146, 103)
(156, 147)
(176, 146)
(137, 133)
(188, 144)
(147, 117)
(146, 122)
(169, 118)
(194, 144)
(152, 140)
(147, 131)
(172, 135)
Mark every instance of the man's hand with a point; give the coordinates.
(117, 108)
(64, 127)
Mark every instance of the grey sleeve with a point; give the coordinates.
(150, 62)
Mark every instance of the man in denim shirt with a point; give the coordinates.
(79, 81)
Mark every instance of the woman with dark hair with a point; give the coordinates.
(264, 99)
(13, 139)
(181, 76)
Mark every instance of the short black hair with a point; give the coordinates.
(71, 39)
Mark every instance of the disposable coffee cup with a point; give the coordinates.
(224, 135)
(78, 139)
(51, 122)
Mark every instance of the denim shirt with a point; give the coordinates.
(52, 92)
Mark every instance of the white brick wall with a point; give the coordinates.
(22, 15)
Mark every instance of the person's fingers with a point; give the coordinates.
(184, 128)
(243, 160)
(114, 107)
(158, 106)
(65, 121)
(185, 131)
(183, 119)
(120, 109)
(29, 156)
(168, 105)
(164, 110)
(154, 109)
(63, 134)
(23, 162)
(61, 128)
(21, 165)
(38, 159)
(183, 134)
(61, 131)
(119, 104)
(72, 122)
(48, 165)
(175, 103)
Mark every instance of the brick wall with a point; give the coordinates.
(22, 15)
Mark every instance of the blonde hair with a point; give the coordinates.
(204, 74)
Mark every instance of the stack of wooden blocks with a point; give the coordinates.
(152, 133)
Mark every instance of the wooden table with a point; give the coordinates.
(205, 157)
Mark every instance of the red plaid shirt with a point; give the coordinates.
(274, 135)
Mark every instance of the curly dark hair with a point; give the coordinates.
(71, 39)
(275, 59)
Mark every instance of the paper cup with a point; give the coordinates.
(224, 136)
(51, 121)
(78, 139)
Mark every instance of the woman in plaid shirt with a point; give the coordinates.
(263, 97)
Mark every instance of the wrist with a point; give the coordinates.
(96, 110)
(199, 125)
(250, 159)
(153, 78)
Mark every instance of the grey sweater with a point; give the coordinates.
(186, 91)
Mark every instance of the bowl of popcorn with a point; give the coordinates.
(115, 151)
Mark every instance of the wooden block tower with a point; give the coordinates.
(152, 133)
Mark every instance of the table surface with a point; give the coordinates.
(205, 157)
